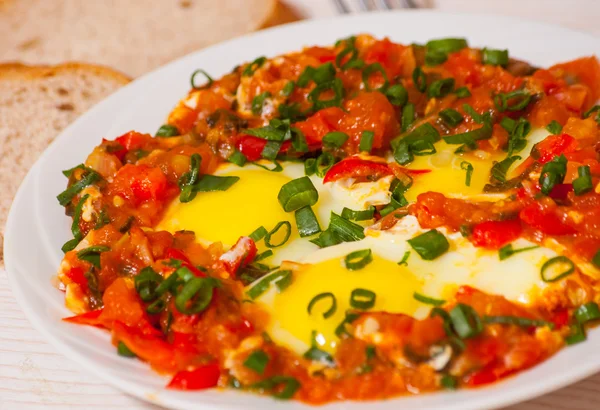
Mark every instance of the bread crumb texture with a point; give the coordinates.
(36, 103)
(134, 36)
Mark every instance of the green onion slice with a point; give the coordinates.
(341, 328)
(449, 382)
(282, 279)
(512, 101)
(257, 361)
(88, 179)
(258, 102)
(75, 229)
(451, 117)
(281, 387)
(404, 260)
(338, 89)
(258, 234)
(517, 321)
(577, 334)
(366, 141)
(368, 71)
(269, 235)
(430, 244)
(446, 45)
(92, 254)
(317, 355)
(419, 79)
(583, 183)
(237, 158)
(205, 74)
(321, 296)
(467, 166)
(358, 259)
(408, 116)
(397, 95)
(167, 130)
(335, 139)
(596, 259)
(124, 351)
(440, 88)
(587, 312)
(507, 251)
(323, 163)
(428, 300)
(433, 58)
(548, 271)
(195, 296)
(499, 169)
(288, 89)
(465, 321)
(146, 282)
(352, 215)
(362, 299)
(310, 166)
(307, 222)
(253, 66)
(495, 57)
(297, 194)
(462, 92)
(553, 173)
(554, 127)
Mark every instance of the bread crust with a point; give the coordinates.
(31, 72)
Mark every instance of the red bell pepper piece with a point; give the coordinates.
(76, 274)
(174, 253)
(354, 167)
(91, 318)
(560, 191)
(203, 377)
(495, 234)
(242, 253)
(544, 220)
(555, 145)
(252, 147)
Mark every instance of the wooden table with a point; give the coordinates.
(34, 376)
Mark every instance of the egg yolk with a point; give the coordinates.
(292, 325)
(449, 172)
(226, 215)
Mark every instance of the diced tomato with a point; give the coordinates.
(394, 58)
(555, 145)
(545, 220)
(242, 253)
(486, 375)
(140, 183)
(203, 377)
(560, 318)
(133, 140)
(355, 167)
(252, 147)
(91, 318)
(586, 70)
(495, 234)
(76, 274)
(147, 347)
(320, 124)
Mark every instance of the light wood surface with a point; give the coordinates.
(34, 376)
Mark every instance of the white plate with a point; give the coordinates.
(37, 226)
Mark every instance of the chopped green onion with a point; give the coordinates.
(298, 140)
(92, 254)
(495, 57)
(419, 79)
(553, 173)
(446, 45)
(546, 272)
(323, 163)
(430, 244)
(310, 166)
(347, 231)
(167, 130)
(253, 66)
(428, 300)
(282, 387)
(512, 101)
(366, 141)
(263, 255)
(205, 74)
(404, 260)
(478, 118)
(517, 321)
(440, 88)
(587, 312)
(335, 139)
(88, 179)
(554, 127)
(297, 194)
(277, 130)
(341, 328)
(146, 282)
(77, 235)
(257, 361)
(470, 138)
(237, 158)
(408, 116)
(288, 89)
(326, 295)
(353, 61)
(271, 149)
(338, 89)
(451, 117)
(577, 334)
(433, 58)
(123, 350)
(276, 166)
(187, 180)
(269, 235)
(358, 259)
(307, 222)
(449, 382)
(157, 306)
(397, 95)
(499, 169)
(281, 279)
(209, 183)
(507, 251)
(467, 166)
(465, 321)
(317, 355)
(419, 142)
(258, 102)
(352, 215)
(368, 71)
(195, 296)
(258, 234)
(594, 109)
(462, 92)
(583, 183)
(362, 299)
(518, 131)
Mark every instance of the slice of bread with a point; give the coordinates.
(133, 36)
(36, 103)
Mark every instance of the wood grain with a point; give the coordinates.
(34, 376)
